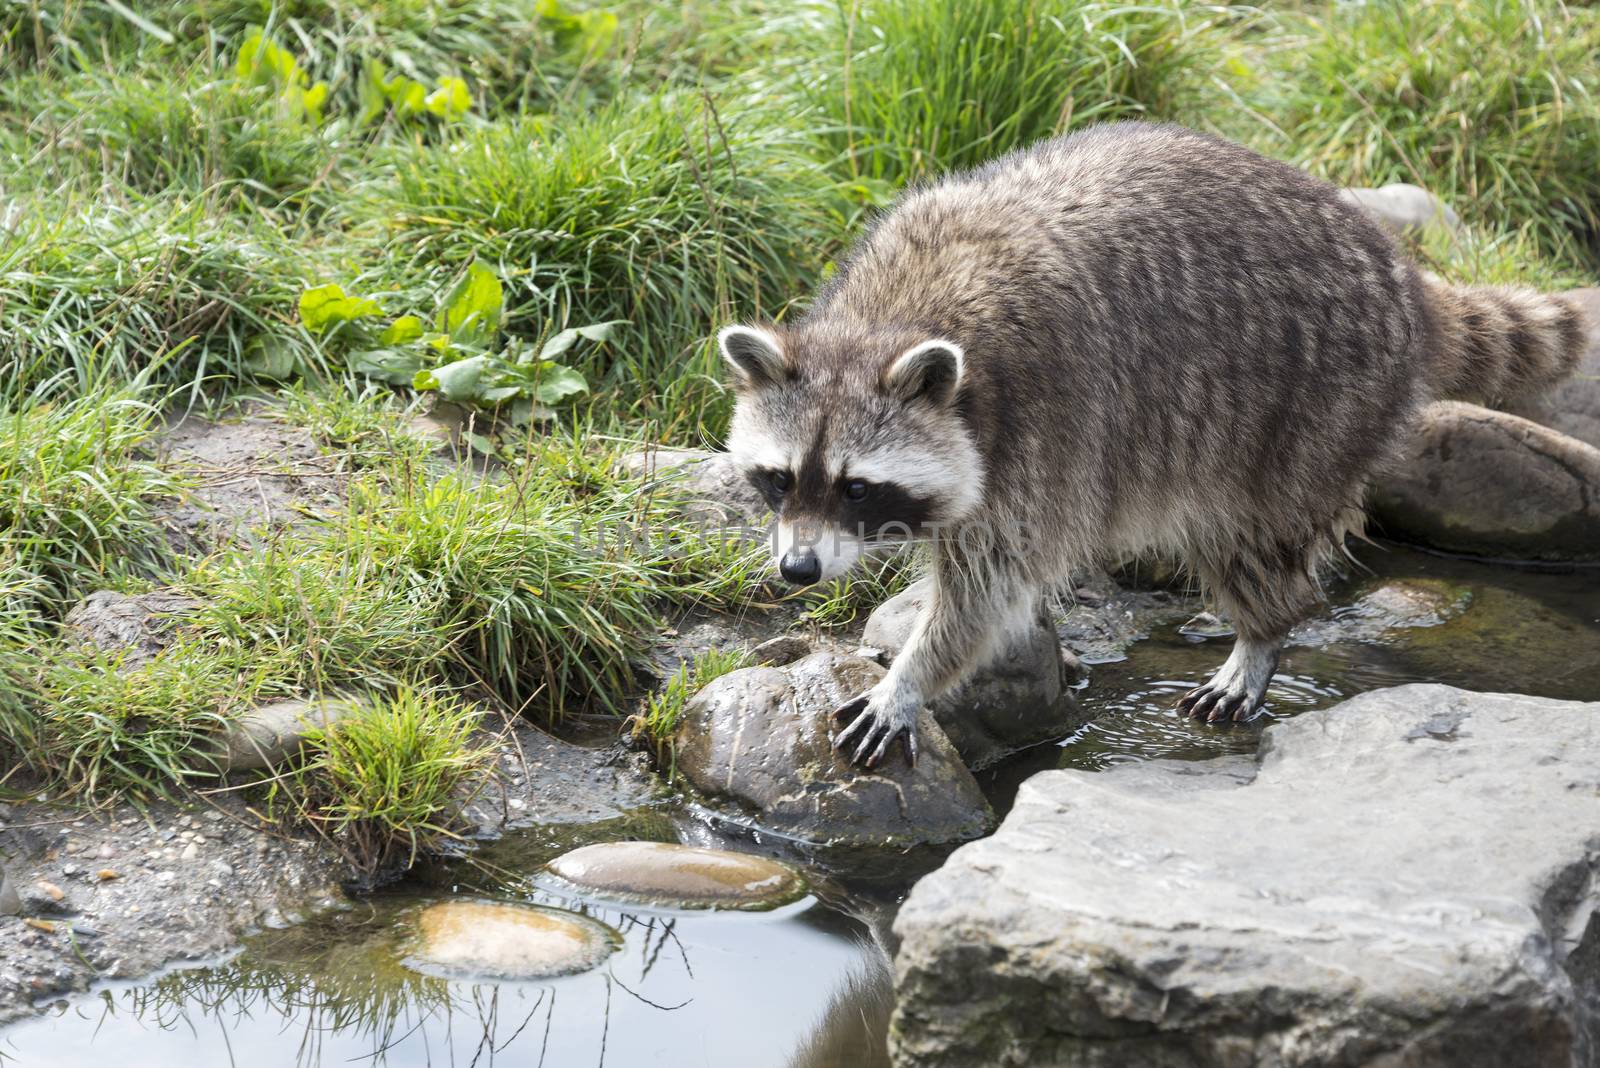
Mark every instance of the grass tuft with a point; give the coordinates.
(386, 784)
(657, 722)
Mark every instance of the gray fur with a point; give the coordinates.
(1169, 343)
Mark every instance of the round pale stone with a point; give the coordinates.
(481, 939)
(681, 876)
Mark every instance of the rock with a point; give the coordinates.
(248, 474)
(784, 649)
(1404, 208)
(487, 940)
(137, 625)
(1017, 700)
(1401, 604)
(1408, 878)
(717, 493)
(10, 903)
(1493, 484)
(1573, 406)
(1204, 626)
(759, 737)
(271, 734)
(660, 873)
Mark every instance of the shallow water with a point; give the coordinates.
(803, 985)
(1519, 631)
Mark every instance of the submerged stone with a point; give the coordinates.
(760, 738)
(662, 873)
(489, 940)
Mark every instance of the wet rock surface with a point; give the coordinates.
(136, 626)
(714, 491)
(678, 876)
(759, 738)
(1409, 877)
(1019, 699)
(1494, 484)
(490, 940)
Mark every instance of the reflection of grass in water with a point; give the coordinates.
(317, 983)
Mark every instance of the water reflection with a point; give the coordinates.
(800, 986)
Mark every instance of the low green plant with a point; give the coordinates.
(657, 722)
(262, 62)
(386, 784)
(465, 358)
(673, 214)
(390, 92)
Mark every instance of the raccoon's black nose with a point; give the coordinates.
(801, 568)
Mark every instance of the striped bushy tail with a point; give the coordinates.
(1493, 344)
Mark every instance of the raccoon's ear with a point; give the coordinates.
(755, 354)
(930, 371)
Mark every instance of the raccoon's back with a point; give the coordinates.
(1160, 311)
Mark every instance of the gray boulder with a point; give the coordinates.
(136, 625)
(1408, 878)
(715, 492)
(1019, 699)
(272, 734)
(1494, 484)
(1404, 208)
(759, 738)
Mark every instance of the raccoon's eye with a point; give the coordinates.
(856, 489)
(780, 481)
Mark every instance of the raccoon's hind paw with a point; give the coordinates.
(873, 731)
(1238, 689)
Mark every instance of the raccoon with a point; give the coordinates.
(1131, 339)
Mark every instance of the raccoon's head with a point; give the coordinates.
(853, 437)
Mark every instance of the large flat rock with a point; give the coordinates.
(1410, 878)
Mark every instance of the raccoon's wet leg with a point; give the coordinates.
(966, 613)
(1265, 593)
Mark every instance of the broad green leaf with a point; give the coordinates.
(496, 394)
(557, 382)
(374, 98)
(322, 307)
(313, 99)
(474, 305)
(451, 100)
(560, 343)
(403, 330)
(395, 366)
(454, 381)
(271, 357)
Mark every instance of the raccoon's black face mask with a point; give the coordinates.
(852, 450)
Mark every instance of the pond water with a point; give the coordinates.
(806, 984)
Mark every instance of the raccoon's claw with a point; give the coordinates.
(1238, 689)
(1214, 705)
(872, 733)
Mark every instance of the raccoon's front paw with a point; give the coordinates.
(872, 722)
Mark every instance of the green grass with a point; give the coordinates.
(386, 784)
(674, 213)
(913, 88)
(76, 497)
(168, 290)
(1493, 104)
